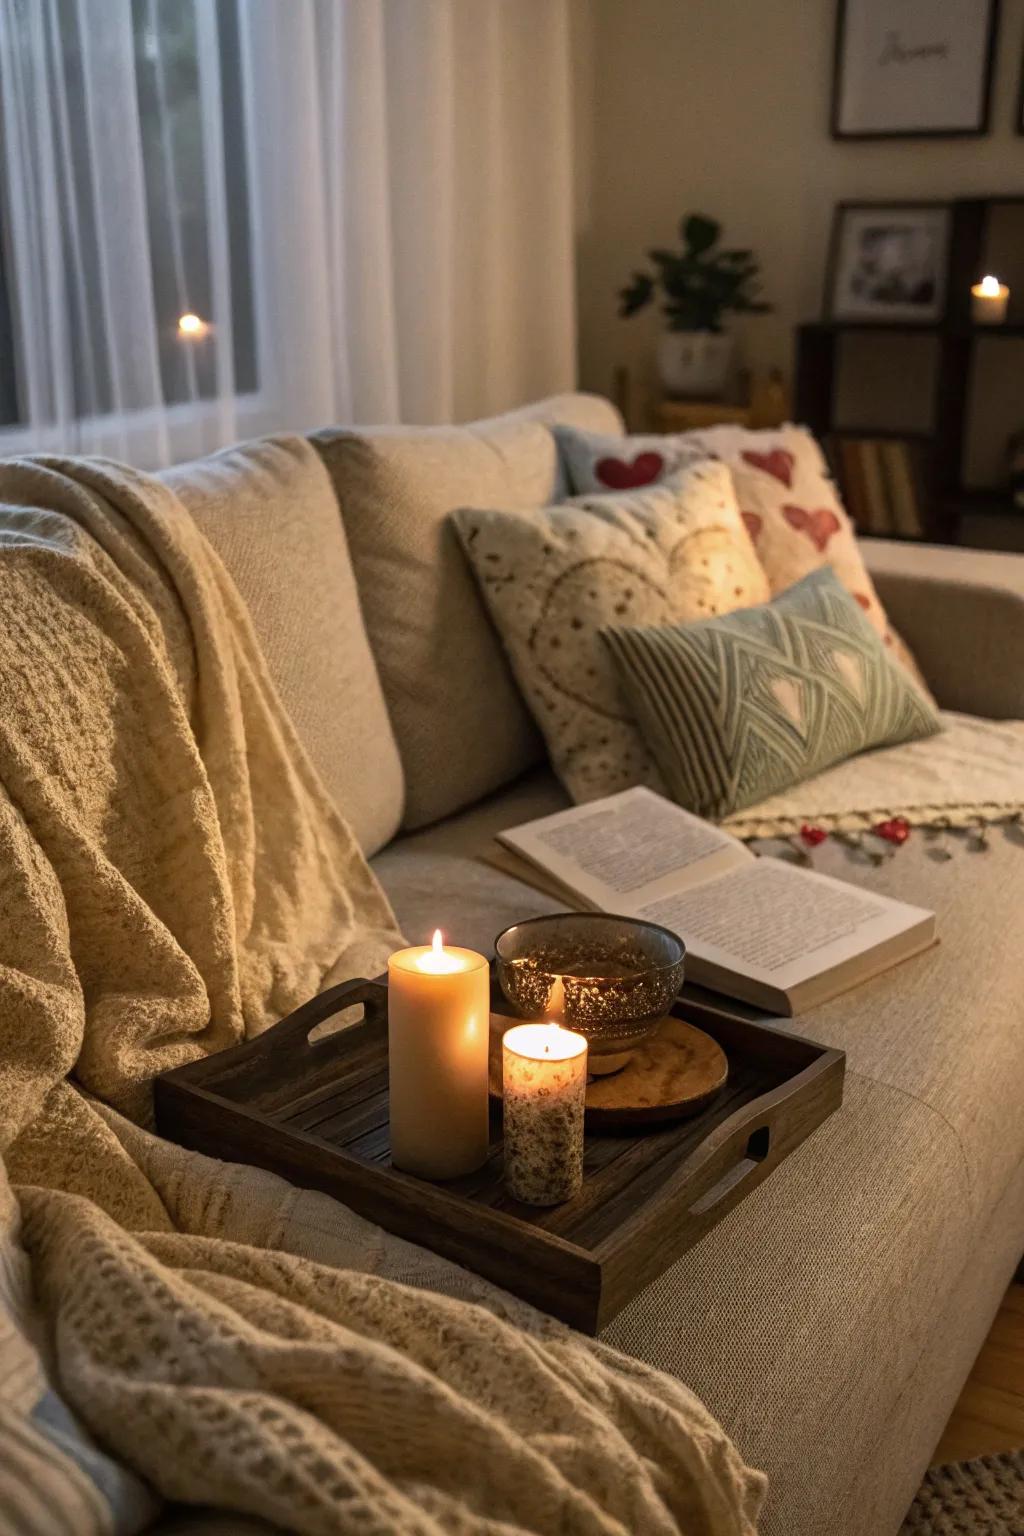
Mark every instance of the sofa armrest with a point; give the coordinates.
(961, 611)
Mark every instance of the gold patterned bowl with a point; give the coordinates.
(620, 976)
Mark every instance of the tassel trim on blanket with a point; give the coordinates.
(880, 842)
(945, 816)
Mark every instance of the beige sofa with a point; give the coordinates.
(830, 1320)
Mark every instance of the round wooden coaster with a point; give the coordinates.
(673, 1073)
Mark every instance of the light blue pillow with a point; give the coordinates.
(739, 707)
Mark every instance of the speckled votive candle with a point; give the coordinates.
(544, 1084)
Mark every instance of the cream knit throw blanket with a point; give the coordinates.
(971, 772)
(173, 879)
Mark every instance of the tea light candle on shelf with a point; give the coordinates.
(989, 299)
(544, 1083)
(438, 1028)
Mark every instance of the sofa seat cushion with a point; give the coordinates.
(947, 1027)
(817, 1314)
(269, 511)
(803, 1316)
(462, 727)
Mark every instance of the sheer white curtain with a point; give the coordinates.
(367, 203)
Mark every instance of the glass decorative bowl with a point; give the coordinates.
(619, 975)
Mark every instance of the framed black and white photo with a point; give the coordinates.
(888, 262)
(913, 68)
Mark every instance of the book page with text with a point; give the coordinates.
(779, 924)
(628, 849)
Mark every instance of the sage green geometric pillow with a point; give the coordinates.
(736, 708)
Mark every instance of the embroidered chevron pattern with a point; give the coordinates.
(737, 708)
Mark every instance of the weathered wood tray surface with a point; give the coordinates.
(317, 1113)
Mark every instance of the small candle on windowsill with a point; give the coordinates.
(438, 1033)
(544, 1085)
(989, 299)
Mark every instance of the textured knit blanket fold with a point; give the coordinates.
(173, 878)
(971, 772)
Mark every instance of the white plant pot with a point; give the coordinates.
(695, 363)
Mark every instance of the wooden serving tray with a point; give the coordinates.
(317, 1113)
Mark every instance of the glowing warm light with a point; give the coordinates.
(437, 961)
(192, 326)
(989, 301)
(544, 1042)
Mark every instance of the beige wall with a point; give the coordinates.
(722, 107)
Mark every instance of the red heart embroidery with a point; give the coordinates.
(778, 463)
(624, 475)
(753, 523)
(819, 525)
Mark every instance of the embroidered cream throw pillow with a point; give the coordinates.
(554, 578)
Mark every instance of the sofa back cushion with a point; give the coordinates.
(463, 729)
(269, 511)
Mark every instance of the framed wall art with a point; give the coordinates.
(913, 68)
(888, 263)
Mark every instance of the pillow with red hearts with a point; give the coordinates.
(787, 498)
(595, 462)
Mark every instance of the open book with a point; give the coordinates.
(776, 935)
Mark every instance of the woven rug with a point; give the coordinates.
(984, 1497)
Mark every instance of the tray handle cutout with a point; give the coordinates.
(758, 1144)
(297, 1027)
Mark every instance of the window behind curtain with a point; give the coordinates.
(168, 100)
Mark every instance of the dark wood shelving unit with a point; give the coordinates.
(945, 495)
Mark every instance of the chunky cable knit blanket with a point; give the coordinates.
(173, 878)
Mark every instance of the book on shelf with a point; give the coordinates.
(880, 483)
(901, 481)
(852, 480)
(772, 933)
(879, 517)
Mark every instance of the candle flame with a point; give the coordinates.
(437, 960)
(990, 287)
(554, 1033)
(192, 325)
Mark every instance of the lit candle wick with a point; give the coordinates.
(437, 960)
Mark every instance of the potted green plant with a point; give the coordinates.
(699, 285)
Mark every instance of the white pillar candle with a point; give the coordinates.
(989, 299)
(544, 1084)
(438, 1029)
